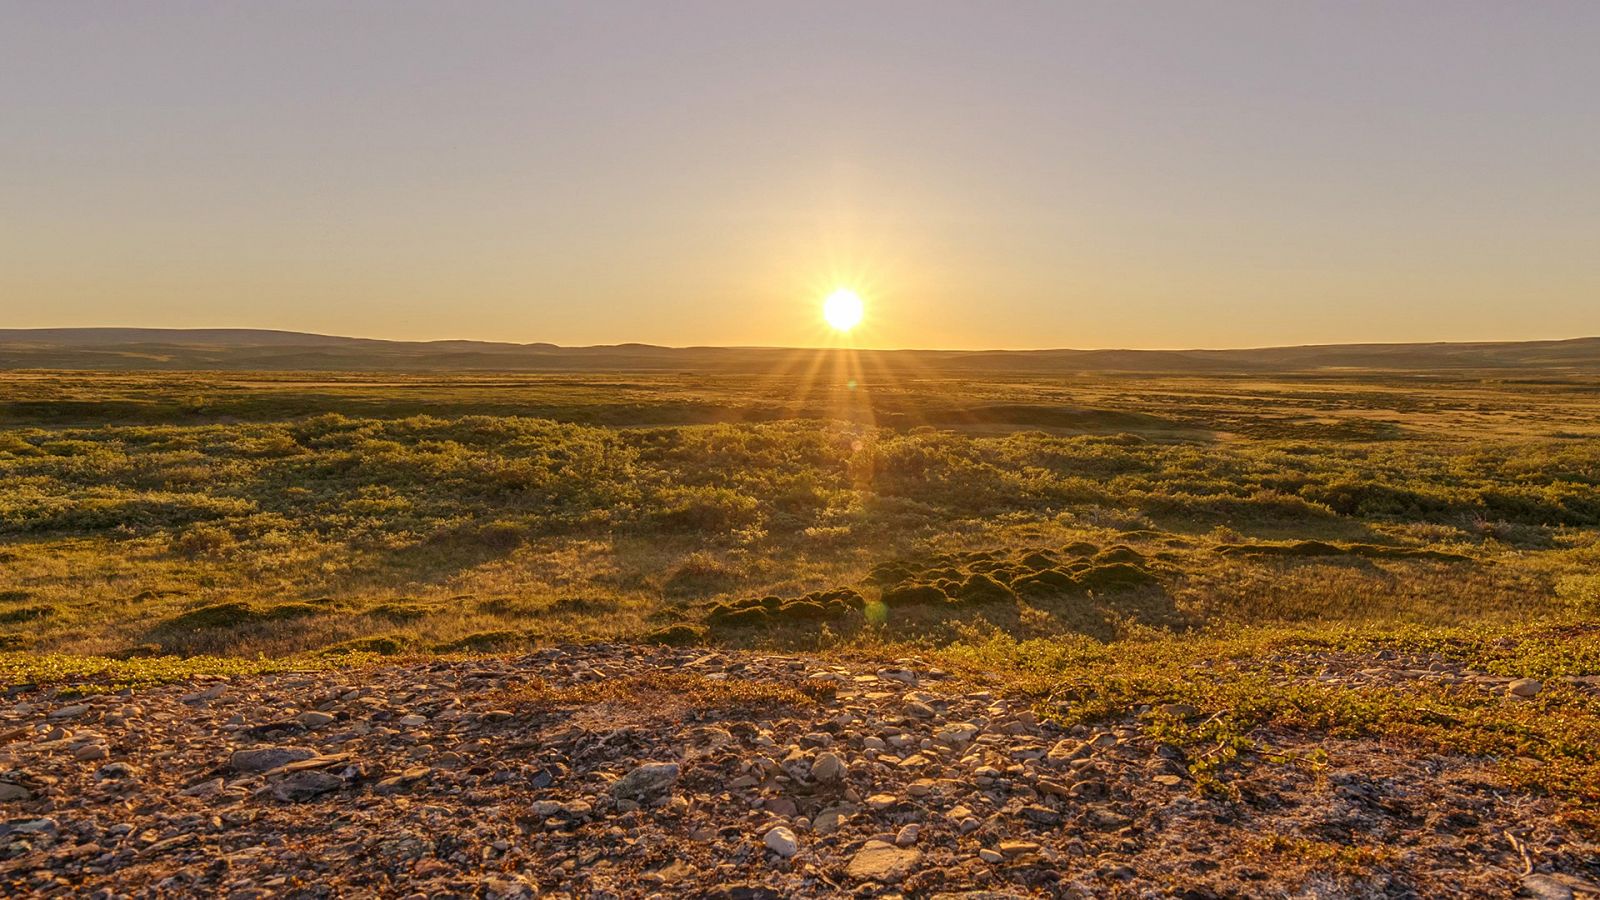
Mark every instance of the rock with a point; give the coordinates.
(69, 712)
(742, 892)
(117, 771)
(1065, 751)
(1525, 688)
(650, 781)
(205, 789)
(402, 782)
(89, 752)
(828, 821)
(411, 721)
(1106, 820)
(816, 739)
(298, 787)
(1543, 887)
(828, 768)
(194, 801)
(1018, 848)
(782, 841)
(1041, 815)
(882, 862)
(210, 693)
(34, 826)
(262, 759)
(957, 735)
(509, 887)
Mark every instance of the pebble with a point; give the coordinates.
(413, 774)
(210, 693)
(647, 782)
(298, 787)
(882, 862)
(781, 840)
(1525, 688)
(828, 768)
(262, 759)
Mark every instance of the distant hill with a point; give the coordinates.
(244, 349)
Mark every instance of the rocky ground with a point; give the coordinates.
(619, 771)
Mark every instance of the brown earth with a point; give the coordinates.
(619, 771)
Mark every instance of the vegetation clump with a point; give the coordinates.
(483, 642)
(812, 607)
(236, 614)
(680, 634)
(1323, 548)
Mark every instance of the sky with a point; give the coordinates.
(985, 175)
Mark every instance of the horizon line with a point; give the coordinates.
(780, 347)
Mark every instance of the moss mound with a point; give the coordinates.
(802, 610)
(383, 645)
(681, 634)
(815, 606)
(1323, 548)
(1115, 576)
(481, 642)
(1048, 581)
(914, 595)
(1121, 553)
(400, 612)
(1039, 559)
(25, 614)
(754, 615)
(234, 615)
(980, 588)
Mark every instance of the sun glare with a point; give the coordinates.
(842, 309)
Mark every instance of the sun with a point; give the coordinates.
(842, 309)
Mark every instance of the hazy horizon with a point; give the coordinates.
(1033, 176)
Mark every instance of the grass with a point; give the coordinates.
(1239, 693)
(1104, 544)
(101, 674)
(130, 523)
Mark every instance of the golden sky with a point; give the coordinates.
(1127, 174)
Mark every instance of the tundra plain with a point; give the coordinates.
(1298, 576)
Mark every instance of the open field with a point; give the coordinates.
(245, 515)
(1252, 572)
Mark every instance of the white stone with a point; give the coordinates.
(782, 841)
